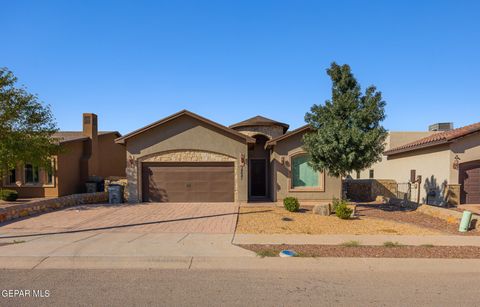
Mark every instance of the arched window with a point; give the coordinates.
(302, 174)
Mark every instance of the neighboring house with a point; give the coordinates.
(84, 153)
(447, 159)
(188, 158)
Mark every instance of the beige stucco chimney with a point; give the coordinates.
(90, 129)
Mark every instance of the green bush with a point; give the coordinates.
(8, 195)
(291, 204)
(343, 212)
(338, 202)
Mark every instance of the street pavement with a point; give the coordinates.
(198, 287)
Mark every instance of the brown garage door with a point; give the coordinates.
(188, 182)
(469, 173)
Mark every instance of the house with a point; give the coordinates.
(83, 154)
(188, 158)
(447, 159)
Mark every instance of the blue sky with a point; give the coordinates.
(134, 62)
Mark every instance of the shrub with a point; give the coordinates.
(291, 204)
(343, 212)
(391, 244)
(338, 202)
(351, 244)
(8, 195)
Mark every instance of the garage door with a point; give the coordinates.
(470, 180)
(188, 182)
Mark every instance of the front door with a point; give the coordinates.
(258, 178)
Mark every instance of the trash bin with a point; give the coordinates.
(91, 187)
(115, 194)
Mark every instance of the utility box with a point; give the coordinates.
(115, 194)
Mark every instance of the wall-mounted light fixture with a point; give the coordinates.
(456, 162)
(131, 160)
(242, 160)
(282, 160)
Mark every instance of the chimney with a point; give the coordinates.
(90, 129)
(441, 127)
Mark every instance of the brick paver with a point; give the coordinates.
(138, 218)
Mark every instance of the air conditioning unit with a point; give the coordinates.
(441, 127)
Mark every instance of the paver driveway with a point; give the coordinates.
(137, 218)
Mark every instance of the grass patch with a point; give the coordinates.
(351, 244)
(18, 241)
(266, 253)
(391, 244)
(427, 245)
(388, 230)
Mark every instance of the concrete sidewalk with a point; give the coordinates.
(362, 239)
(468, 266)
(116, 244)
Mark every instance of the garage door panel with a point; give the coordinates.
(469, 178)
(188, 182)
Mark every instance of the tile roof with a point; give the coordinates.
(435, 139)
(70, 136)
(260, 121)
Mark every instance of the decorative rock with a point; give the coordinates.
(323, 209)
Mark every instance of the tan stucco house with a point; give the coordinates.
(84, 154)
(188, 158)
(447, 159)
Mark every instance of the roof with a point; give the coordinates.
(274, 141)
(440, 138)
(72, 136)
(260, 121)
(184, 113)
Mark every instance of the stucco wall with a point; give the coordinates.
(70, 169)
(269, 131)
(332, 187)
(112, 156)
(433, 164)
(184, 134)
(467, 149)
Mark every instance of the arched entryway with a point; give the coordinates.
(259, 170)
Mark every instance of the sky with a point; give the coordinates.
(135, 62)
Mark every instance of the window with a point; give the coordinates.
(31, 173)
(371, 175)
(12, 176)
(49, 173)
(358, 174)
(303, 175)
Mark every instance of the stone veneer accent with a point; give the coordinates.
(134, 173)
(44, 205)
(453, 194)
(270, 131)
(369, 189)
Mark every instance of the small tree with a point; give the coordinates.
(347, 135)
(26, 127)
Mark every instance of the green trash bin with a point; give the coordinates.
(465, 222)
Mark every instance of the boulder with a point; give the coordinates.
(323, 209)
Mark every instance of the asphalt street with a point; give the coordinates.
(124, 287)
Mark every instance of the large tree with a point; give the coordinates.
(346, 135)
(26, 126)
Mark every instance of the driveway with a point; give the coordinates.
(140, 230)
(219, 218)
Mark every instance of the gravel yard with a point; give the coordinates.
(464, 252)
(277, 220)
(395, 213)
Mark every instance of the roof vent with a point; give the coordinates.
(441, 127)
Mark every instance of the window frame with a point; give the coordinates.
(291, 188)
(33, 182)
